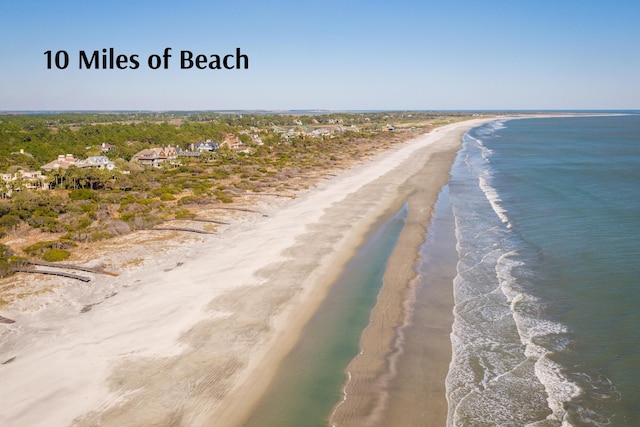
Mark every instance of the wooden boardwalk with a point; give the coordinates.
(6, 321)
(54, 273)
(72, 267)
(190, 230)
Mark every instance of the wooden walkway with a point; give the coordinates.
(190, 230)
(6, 321)
(72, 267)
(202, 220)
(54, 273)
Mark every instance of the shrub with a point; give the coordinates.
(8, 261)
(55, 255)
(38, 249)
(82, 194)
(171, 189)
(187, 200)
(9, 221)
(166, 197)
(5, 251)
(90, 236)
(201, 188)
(142, 222)
(116, 227)
(184, 213)
(193, 200)
(88, 208)
(46, 223)
(135, 208)
(5, 208)
(224, 197)
(44, 211)
(83, 223)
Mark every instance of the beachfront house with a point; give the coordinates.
(204, 146)
(23, 153)
(187, 153)
(320, 132)
(65, 161)
(62, 162)
(31, 180)
(98, 162)
(105, 148)
(155, 156)
(233, 143)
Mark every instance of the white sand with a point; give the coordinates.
(197, 344)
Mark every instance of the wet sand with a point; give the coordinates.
(194, 333)
(416, 390)
(367, 394)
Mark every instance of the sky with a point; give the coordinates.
(333, 55)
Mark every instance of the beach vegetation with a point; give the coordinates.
(83, 194)
(279, 154)
(55, 255)
(6, 264)
(9, 221)
(184, 214)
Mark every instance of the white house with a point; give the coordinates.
(100, 162)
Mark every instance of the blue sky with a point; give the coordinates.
(336, 55)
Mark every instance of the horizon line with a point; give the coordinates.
(320, 110)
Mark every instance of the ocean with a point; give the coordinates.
(547, 292)
(538, 232)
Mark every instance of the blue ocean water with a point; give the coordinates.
(547, 314)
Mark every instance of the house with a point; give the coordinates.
(32, 179)
(155, 156)
(207, 145)
(99, 162)
(28, 179)
(105, 148)
(256, 139)
(320, 132)
(289, 134)
(233, 143)
(187, 153)
(231, 140)
(62, 162)
(24, 153)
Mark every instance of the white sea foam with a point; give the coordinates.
(484, 175)
(558, 387)
(485, 152)
(497, 124)
(494, 199)
(500, 371)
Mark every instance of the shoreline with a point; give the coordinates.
(418, 179)
(197, 342)
(366, 393)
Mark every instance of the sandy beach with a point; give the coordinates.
(192, 330)
(366, 394)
